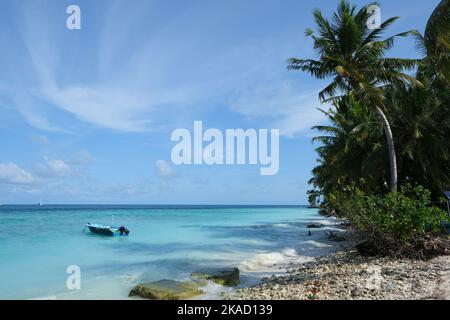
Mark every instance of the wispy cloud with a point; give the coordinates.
(104, 107)
(281, 105)
(137, 84)
(165, 173)
(54, 168)
(11, 173)
(164, 169)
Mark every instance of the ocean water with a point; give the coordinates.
(38, 243)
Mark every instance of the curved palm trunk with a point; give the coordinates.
(390, 141)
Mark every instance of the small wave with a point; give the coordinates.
(44, 298)
(319, 244)
(289, 252)
(281, 225)
(332, 221)
(213, 291)
(268, 260)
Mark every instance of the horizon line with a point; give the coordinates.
(147, 204)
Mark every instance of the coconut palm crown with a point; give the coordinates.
(354, 56)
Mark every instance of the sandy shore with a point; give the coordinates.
(347, 275)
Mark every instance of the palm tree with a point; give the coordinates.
(354, 56)
(349, 149)
(421, 124)
(435, 44)
(422, 115)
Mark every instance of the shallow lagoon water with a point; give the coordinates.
(38, 243)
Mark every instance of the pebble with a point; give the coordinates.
(347, 275)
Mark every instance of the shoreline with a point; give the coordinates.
(346, 275)
(262, 264)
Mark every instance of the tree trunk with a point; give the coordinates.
(390, 141)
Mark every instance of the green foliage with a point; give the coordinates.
(435, 44)
(352, 144)
(354, 55)
(396, 219)
(313, 198)
(421, 125)
(350, 148)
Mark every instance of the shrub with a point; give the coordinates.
(396, 223)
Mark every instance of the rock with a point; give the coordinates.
(390, 286)
(167, 290)
(224, 277)
(335, 237)
(314, 226)
(356, 292)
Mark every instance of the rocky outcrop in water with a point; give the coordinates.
(314, 226)
(224, 277)
(167, 290)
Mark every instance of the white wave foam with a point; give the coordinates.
(44, 298)
(281, 225)
(289, 252)
(319, 244)
(332, 221)
(269, 260)
(213, 291)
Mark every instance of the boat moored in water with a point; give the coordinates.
(107, 230)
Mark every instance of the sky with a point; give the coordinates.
(87, 115)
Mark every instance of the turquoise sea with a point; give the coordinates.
(38, 243)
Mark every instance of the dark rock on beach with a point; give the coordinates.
(335, 237)
(224, 277)
(356, 292)
(314, 226)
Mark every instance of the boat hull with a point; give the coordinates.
(102, 231)
(107, 230)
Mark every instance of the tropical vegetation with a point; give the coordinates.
(397, 223)
(388, 122)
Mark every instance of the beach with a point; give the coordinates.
(346, 275)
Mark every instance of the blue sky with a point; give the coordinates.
(86, 115)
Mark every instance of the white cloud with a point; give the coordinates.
(283, 107)
(39, 122)
(136, 85)
(267, 99)
(164, 169)
(54, 168)
(105, 107)
(13, 174)
(299, 122)
(36, 120)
